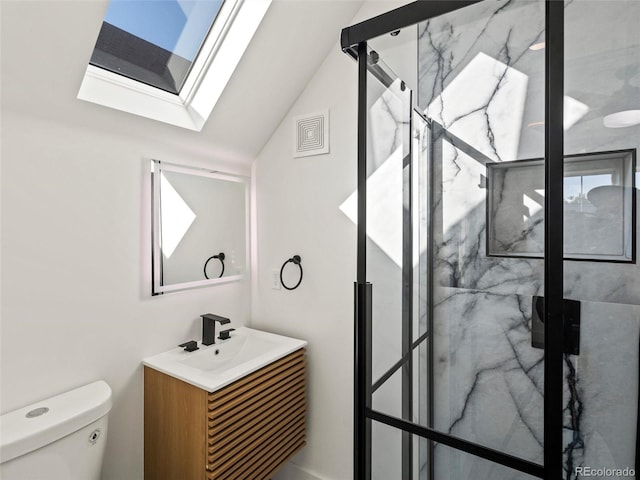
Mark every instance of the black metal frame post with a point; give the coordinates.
(362, 164)
(362, 391)
(553, 239)
(363, 295)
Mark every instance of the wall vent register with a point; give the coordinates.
(311, 134)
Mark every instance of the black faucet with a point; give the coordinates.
(209, 327)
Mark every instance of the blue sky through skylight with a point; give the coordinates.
(175, 25)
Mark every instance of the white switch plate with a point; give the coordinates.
(275, 279)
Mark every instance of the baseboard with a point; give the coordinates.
(291, 471)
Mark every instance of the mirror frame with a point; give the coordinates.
(157, 167)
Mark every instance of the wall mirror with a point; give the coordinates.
(200, 227)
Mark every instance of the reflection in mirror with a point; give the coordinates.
(200, 227)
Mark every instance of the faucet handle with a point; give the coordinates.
(224, 334)
(189, 346)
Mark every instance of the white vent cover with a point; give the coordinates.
(311, 134)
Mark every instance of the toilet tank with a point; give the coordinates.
(60, 438)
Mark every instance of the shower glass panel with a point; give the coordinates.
(481, 85)
(458, 465)
(452, 463)
(451, 324)
(389, 252)
(602, 114)
(451, 328)
(387, 184)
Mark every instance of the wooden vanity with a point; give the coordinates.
(245, 430)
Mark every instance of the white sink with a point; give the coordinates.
(214, 366)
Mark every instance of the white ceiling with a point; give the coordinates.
(46, 46)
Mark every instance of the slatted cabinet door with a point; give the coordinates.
(245, 431)
(258, 422)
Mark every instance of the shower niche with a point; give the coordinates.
(599, 207)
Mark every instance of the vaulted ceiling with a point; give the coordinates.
(46, 46)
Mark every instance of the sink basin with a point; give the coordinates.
(215, 366)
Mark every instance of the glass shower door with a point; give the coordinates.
(389, 262)
(601, 140)
(497, 300)
(497, 259)
(455, 245)
(481, 86)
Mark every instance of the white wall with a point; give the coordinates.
(76, 304)
(76, 300)
(296, 205)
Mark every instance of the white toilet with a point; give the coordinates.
(60, 438)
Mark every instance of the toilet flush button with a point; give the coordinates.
(94, 436)
(37, 412)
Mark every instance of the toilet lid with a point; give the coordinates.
(36, 425)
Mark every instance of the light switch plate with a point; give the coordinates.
(275, 279)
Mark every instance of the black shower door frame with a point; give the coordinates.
(354, 42)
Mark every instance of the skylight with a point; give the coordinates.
(169, 60)
(154, 42)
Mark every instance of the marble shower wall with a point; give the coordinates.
(484, 88)
(489, 381)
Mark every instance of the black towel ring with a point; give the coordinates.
(296, 261)
(221, 257)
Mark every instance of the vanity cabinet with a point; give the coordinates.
(246, 430)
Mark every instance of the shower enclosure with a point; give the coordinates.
(497, 301)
